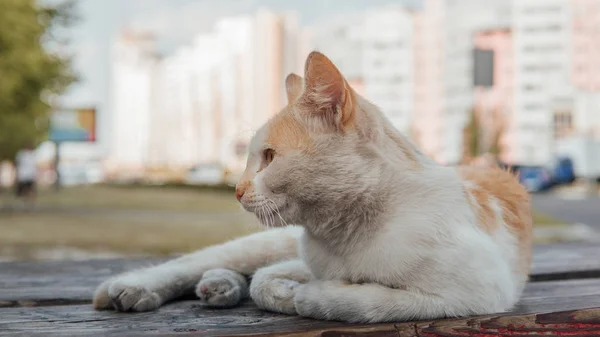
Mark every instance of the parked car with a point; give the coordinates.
(205, 174)
(536, 178)
(539, 178)
(564, 171)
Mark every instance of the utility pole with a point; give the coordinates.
(57, 165)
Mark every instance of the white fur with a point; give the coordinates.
(473, 273)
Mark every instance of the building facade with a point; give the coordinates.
(202, 103)
(387, 63)
(444, 70)
(374, 52)
(133, 78)
(494, 102)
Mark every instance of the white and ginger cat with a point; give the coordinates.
(383, 233)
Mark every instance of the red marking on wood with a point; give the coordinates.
(573, 323)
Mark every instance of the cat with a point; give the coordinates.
(381, 232)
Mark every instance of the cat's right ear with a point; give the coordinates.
(326, 93)
(293, 87)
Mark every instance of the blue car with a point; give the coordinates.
(564, 171)
(536, 179)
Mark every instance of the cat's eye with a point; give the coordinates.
(269, 155)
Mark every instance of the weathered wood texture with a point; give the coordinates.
(56, 282)
(566, 323)
(73, 282)
(565, 261)
(188, 317)
(52, 298)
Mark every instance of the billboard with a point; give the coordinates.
(73, 125)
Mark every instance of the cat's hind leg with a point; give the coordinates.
(222, 288)
(373, 303)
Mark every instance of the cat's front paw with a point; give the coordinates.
(122, 295)
(308, 301)
(222, 288)
(218, 293)
(127, 297)
(101, 299)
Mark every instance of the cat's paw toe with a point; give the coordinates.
(101, 299)
(218, 292)
(126, 297)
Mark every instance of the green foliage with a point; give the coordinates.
(472, 133)
(34, 68)
(475, 133)
(495, 147)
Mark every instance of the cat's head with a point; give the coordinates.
(323, 156)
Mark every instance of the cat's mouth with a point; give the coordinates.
(269, 214)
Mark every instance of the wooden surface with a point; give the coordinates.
(53, 298)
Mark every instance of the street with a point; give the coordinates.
(572, 210)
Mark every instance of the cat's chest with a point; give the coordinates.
(362, 266)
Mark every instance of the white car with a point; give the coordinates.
(207, 174)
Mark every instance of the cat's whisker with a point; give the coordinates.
(276, 210)
(262, 216)
(272, 215)
(267, 216)
(272, 211)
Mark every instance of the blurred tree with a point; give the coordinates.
(471, 134)
(483, 138)
(498, 133)
(34, 68)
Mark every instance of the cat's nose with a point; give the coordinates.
(203, 288)
(239, 193)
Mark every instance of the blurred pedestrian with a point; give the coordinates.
(26, 174)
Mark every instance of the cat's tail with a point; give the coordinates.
(373, 303)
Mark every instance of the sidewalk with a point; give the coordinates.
(577, 232)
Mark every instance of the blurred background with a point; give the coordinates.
(132, 117)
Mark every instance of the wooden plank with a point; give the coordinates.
(71, 282)
(565, 261)
(56, 282)
(189, 317)
(62, 282)
(567, 323)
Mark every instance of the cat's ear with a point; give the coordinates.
(326, 92)
(293, 87)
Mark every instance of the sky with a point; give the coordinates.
(175, 22)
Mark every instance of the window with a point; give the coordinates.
(540, 10)
(532, 107)
(563, 123)
(536, 67)
(546, 28)
(380, 45)
(530, 87)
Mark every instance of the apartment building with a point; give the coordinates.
(494, 96)
(387, 63)
(134, 66)
(202, 103)
(444, 70)
(374, 52)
